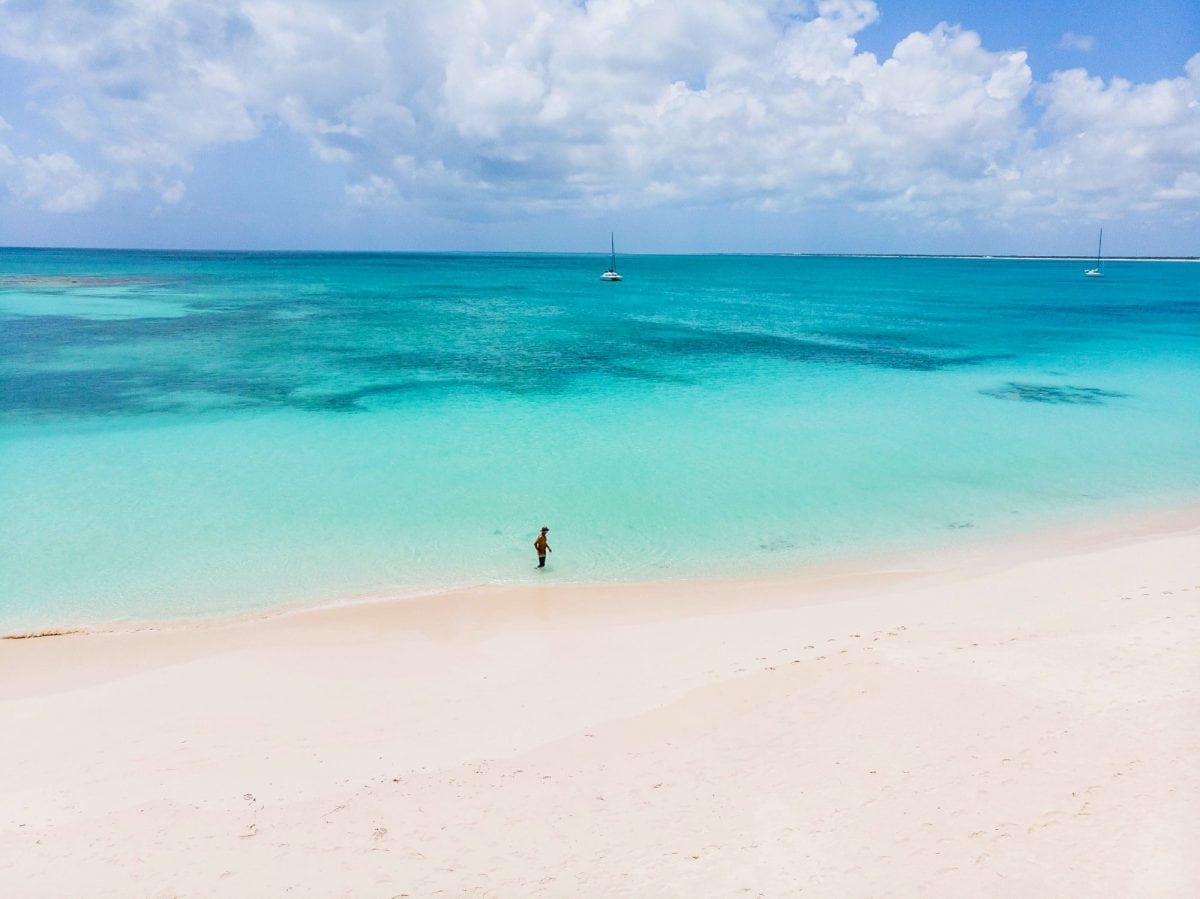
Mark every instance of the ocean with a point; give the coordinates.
(190, 434)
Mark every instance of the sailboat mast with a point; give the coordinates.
(612, 248)
(1098, 247)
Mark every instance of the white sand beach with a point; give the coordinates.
(1016, 719)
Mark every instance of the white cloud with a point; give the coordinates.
(373, 190)
(147, 83)
(52, 182)
(537, 104)
(1117, 146)
(1072, 41)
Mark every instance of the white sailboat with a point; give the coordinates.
(611, 274)
(1095, 272)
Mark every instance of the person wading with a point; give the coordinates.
(542, 547)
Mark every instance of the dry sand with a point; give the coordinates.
(1019, 719)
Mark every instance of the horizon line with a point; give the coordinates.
(784, 253)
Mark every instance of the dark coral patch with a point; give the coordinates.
(1053, 393)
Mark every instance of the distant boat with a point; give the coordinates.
(1095, 272)
(611, 274)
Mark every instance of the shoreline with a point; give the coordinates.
(1020, 720)
(945, 560)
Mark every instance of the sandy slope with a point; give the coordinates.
(1008, 722)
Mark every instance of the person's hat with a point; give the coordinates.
(545, 529)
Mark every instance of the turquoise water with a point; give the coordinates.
(201, 434)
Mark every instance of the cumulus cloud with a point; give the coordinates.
(52, 182)
(1117, 145)
(536, 104)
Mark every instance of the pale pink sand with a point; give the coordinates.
(1018, 720)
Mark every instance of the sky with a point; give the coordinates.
(684, 126)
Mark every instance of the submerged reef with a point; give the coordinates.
(1053, 393)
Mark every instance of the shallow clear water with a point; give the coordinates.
(200, 434)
